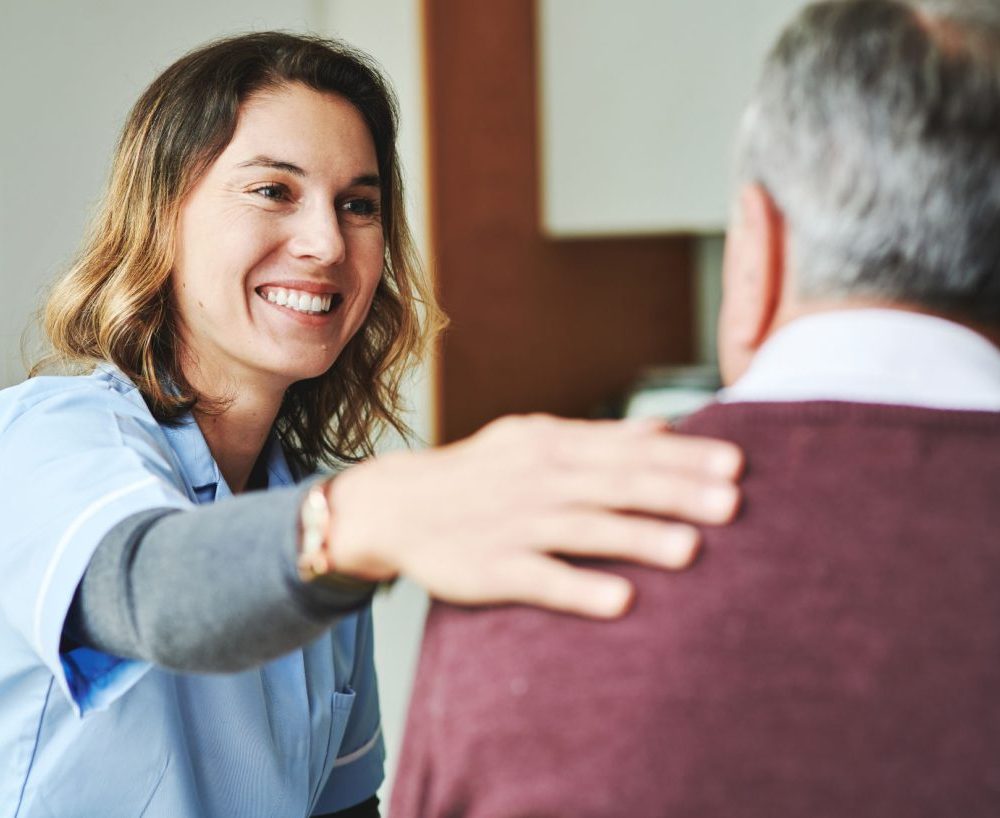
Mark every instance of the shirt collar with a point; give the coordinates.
(874, 356)
(201, 473)
(279, 473)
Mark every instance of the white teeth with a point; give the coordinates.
(298, 300)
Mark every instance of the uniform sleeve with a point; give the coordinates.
(358, 770)
(76, 461)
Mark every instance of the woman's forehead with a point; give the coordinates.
(304, 127)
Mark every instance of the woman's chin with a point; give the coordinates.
(307, 371)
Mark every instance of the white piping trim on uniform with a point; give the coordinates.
(364, 748)
(67, 537)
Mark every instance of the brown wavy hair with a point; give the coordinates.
(114, 304)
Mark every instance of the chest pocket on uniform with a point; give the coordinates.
(341, 705)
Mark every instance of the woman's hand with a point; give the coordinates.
(477, 522)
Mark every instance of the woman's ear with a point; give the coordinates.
(753, 274)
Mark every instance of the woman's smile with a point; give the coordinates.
(300, 299)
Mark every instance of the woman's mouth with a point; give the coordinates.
(299, 300)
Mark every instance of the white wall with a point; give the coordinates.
(640, 101)
(69, 71)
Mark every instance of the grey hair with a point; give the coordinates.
(875, 127)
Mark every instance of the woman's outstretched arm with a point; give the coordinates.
(212, 589)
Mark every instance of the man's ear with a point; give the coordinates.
(753, 268)
(753, 277)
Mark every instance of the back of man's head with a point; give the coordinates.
(875, 130)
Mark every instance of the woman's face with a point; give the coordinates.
(279, 244)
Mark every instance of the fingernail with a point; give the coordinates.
(721, 502)
(679, 548)
(612, 598)
(726, 462)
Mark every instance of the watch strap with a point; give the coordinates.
(314, 563)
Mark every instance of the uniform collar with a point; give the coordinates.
(201, 472)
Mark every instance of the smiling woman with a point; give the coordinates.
(241, 316)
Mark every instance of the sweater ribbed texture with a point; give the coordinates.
(835, 652)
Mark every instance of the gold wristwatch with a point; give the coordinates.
(314, 565)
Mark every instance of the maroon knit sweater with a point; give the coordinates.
(836, 652)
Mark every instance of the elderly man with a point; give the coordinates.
(837, 651)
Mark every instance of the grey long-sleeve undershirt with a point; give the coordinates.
(213, 589)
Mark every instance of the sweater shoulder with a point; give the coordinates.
(740, 420)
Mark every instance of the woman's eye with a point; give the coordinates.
(276, 193)
(362, 207)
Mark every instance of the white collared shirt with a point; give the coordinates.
(874, 356)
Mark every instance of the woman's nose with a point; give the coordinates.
(317, 235)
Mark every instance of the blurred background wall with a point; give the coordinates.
(567, 165)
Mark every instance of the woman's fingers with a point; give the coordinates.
(619, 444)
(513, 563)
(585, 533)
(542, 581)
(697, 456)
(456, 519)
(618, 465)
(647, 491)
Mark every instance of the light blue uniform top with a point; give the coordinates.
(96, 736)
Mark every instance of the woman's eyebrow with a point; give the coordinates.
(274, 164)
(367, 180)
(364, 180)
